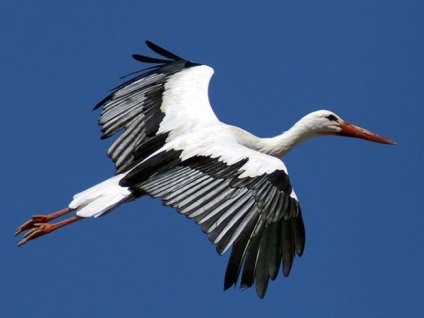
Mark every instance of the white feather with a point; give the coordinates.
(186, 102)
(101, 198)
(228, 143)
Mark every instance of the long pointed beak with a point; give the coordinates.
(350, 130)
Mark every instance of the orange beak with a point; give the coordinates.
(350, 130)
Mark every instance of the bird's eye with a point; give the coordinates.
(331, 118)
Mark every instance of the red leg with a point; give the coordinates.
(42, 218)
(38, 225)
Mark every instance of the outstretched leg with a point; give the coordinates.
(39, 226)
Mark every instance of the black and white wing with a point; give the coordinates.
(165, 101)
(241, 198)
(237, 204)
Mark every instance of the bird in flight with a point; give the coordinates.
(233, 184)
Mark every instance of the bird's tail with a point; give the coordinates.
(101, 198)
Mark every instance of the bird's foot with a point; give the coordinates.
(30, 224)
(38, 225)
(35, 229)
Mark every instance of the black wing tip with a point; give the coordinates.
(150, 44)
(163, 52)
(261, 293)
(101, 103)
(228, 285)
(170, 57)
(148, 59)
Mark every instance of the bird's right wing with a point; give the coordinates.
(163, 102)
(255, 212)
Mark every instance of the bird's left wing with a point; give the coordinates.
(165, 101)
(256, 213)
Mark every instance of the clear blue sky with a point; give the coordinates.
(274, 62)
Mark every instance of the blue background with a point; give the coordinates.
(274, 62)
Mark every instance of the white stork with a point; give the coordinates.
(230, 182)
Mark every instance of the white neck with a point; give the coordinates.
(280, 145)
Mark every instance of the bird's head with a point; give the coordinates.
(325, 122)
